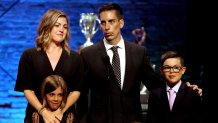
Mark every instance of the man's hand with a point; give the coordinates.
(195, 87)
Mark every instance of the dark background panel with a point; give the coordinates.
(165, 23)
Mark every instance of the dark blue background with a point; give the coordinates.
(164, 22)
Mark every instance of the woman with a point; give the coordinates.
(53, 97)
(52, 55)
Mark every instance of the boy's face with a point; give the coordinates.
(172, 71)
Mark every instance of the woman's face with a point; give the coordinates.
(59, 31)
(54, 98)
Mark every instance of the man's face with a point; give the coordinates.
(111, 26)
(54, 99)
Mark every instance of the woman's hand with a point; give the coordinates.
(49, 117)
(59, 114)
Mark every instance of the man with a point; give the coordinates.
(112, 79)
(109, 101)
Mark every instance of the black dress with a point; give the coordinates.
(34, 66)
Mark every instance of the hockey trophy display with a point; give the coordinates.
(89, 23)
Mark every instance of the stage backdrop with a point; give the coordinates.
(164, 22)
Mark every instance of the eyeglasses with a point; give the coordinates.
(167, 68)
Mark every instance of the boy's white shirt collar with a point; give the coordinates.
(176, 87)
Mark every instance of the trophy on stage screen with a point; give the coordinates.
(89, 23)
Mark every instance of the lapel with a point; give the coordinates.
(101, 50)
(164, 98)
(128, 61)
(179, 96)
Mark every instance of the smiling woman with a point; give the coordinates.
(51, 56)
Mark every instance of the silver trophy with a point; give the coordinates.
(89, 22)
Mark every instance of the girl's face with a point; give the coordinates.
(54, 98)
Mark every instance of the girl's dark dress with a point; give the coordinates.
(34, 66)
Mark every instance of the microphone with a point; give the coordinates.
(106, 61)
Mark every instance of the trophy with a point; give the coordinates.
(140, 35)
(89, 23)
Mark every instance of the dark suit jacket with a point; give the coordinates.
(108, 103)
(187, 106)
